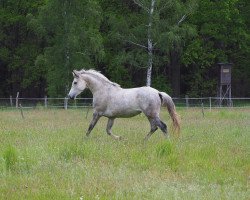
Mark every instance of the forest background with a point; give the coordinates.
(42, 41)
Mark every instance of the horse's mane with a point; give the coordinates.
(99, 75)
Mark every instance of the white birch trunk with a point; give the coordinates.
(150, 44)
(149, 47)
(150, 62)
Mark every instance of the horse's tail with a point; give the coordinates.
(168, 102)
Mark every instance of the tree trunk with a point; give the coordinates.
(150, 44)
(150, 63)
(175, 68)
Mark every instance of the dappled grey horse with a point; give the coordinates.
(112, 101)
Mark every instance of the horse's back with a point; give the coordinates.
(146, 99)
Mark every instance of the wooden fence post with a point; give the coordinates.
(65, 103)
(75, 103)
(202, 109)
(210, 104)
(11, 101)
(17, 95)
(21, 109)
(45, 102)
(187, 102)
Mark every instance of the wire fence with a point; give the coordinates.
(65, 103)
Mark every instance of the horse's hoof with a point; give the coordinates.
(120, 138)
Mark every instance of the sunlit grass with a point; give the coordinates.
(46, 156)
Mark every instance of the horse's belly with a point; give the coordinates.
(123, 105)
(129, 114)
(123, 113)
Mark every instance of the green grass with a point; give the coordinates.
(46, 156)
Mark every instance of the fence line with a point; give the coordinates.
(188, 102)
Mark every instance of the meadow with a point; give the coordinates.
(46, 156)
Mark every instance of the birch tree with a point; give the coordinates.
(150, 11)
(153, 9)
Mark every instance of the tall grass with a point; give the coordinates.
(11, 158)
(46, 156)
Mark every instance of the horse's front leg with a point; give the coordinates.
(109, 126)
(95, 119)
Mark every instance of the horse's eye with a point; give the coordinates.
(75, 83)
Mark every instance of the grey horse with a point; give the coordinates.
(112, 101)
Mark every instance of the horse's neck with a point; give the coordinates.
(95, 85)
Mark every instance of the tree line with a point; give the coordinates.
(177, 42)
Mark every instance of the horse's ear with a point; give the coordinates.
(75, 74)
(82, 71)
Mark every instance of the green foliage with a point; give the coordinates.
(18, 48)
(159, 82)
(222, 37)
(41, 42)
(165, 149)
(127, 33)
(10, 157)
(73, 41)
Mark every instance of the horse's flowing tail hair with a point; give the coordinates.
(168, 102)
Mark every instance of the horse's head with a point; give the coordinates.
(78, 85)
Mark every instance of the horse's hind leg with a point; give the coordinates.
(95, 119)
(108, 129)
(153, 128)
(162, 126)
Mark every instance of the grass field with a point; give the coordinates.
(45, 156)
